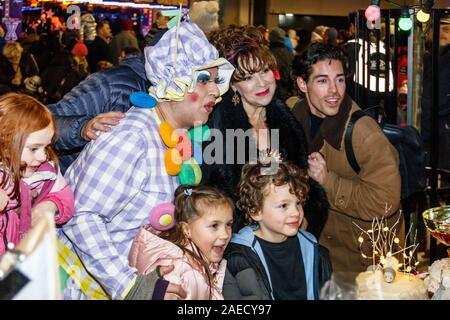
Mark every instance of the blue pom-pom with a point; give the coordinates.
(143, 100)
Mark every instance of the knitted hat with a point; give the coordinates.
(80, 49)
(173, 63)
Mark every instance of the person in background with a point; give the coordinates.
(16, 65)
(67, 68)
(195, 244)
(103, 65)
(77, 72)
(284, 62)
(30, 181)
(319, 35)
(158, 27)
(99, 49)
(332, 36)
(304, 40)
(125, 38)
(2, 38)
(292, 34)
(127, 52)
(342, 37)
(444, 97)
(205, 14)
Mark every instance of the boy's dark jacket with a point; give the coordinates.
(246, 277)
(293, 147)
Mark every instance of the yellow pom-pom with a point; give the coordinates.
(165, 220)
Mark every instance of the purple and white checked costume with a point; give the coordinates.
(117, 180)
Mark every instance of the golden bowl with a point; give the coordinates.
(437, 221)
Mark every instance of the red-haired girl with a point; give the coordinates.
(30, 181)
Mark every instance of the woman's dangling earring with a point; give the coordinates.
(235, 98)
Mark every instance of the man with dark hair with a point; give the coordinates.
(354, 198)
(99, 49)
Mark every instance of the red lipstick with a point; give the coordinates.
(263, 93)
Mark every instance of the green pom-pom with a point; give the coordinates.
(186, 175)
(190, 172)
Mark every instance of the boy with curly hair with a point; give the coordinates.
(271, 258)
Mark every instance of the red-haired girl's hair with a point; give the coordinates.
(20, 115)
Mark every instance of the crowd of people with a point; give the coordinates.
(99, 152)
(47, 65)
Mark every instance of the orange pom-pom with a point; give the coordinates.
(167, 135)
(173, 161)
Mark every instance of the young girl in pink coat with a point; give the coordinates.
(30, 181)
(194, 245)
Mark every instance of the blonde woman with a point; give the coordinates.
(16, 65)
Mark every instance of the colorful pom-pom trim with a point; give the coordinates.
(184, 154)
(162, 217)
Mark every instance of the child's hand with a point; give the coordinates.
(3, 199)
(41, 208)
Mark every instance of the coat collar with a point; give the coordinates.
(332, 128)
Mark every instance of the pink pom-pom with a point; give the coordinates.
(162, 217)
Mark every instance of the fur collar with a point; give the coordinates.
(278, 116)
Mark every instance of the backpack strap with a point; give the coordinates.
(348, 140)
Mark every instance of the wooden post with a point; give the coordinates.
(417, 70)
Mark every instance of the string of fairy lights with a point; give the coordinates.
(405, 23)
(384, 247)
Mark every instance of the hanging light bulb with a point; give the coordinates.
(424, 14)
(372, 12)
(405, 23)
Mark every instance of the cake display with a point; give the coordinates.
(388, 278)
(371, 285)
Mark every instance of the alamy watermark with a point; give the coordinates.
(237, 146)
